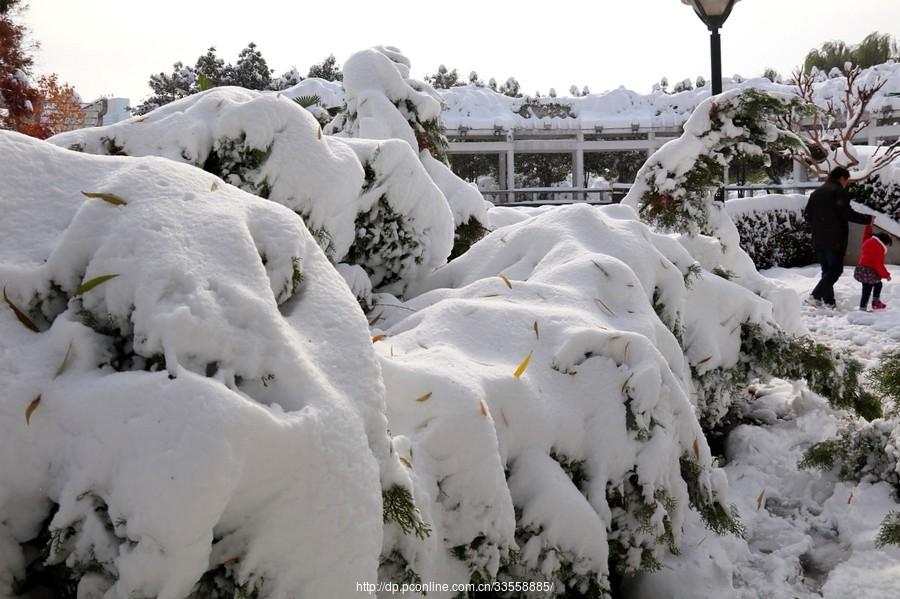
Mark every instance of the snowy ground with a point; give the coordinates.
(808, 534)
(866, 334)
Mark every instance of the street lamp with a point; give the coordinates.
(713, 13)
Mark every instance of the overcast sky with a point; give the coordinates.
(106, 47)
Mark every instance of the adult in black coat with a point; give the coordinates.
(828, 213)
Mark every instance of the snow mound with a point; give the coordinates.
(330, 93)
(545, 402)
(269, 146)
(192, 414)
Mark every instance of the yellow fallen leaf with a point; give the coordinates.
(521, 369)
(505, 280)
(31, 408)
(378, 338)
(537, 333)
(483, 408)
(759, 500)
(110, 198)
(404, 461)
(425, 397)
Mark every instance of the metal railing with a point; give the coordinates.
(542, 196)
(750, 190)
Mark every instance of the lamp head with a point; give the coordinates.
(712, 12)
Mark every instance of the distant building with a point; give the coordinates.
(105, 111)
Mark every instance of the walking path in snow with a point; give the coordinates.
(866, 334)
(809, 534)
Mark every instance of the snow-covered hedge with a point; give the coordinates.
(773, 230)
(369, 204)
(190, 399)
(881, 192)
(547, 405)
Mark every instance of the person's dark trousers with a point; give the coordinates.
(867, 289)
(832, 262)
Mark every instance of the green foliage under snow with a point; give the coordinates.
(778, 237)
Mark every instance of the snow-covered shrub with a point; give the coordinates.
(868, 449)
(861, 449)
(773, 230)
(881, 194)
(177, 415)
(768, 352)
(886, 381)
(545, 406)
(672, 189)
(271, 147)
(889, 534)
(383, 102)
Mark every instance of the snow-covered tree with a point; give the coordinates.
(328, 70)
(211, 69)
(875, 48)
(250, 71)
(700, 82)
(772, 75)
(682, 86)
(180, 83)
(552, 92)
(574, 91)
(443, 79)
(585, 91)
(286, 80)
(511, 88)
(474, 80)
(18, 96)
(827, 132)
(492, 84)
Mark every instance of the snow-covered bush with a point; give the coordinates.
(868, 449)
(672, 189)
(879, 193)
(773, 230)
(177, 415)
(545, 405)
(268, 145)
(383, 102)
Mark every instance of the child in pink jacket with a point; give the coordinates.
(871, 269)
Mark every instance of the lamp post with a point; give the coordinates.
(713, 13)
